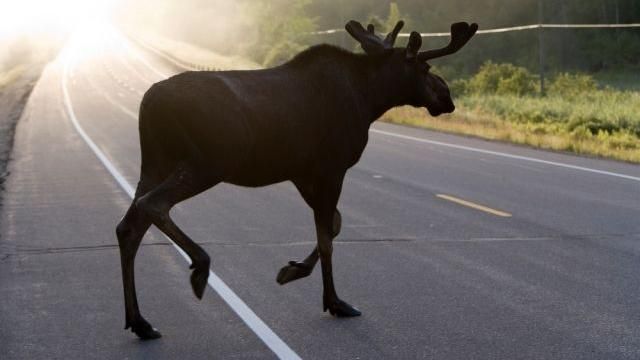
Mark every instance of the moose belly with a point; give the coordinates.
(266, 166)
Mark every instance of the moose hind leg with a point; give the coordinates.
(330, 298)
(324, 214)
(130, 231)
(184, 183)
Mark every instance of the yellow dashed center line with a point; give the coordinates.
(473, 205)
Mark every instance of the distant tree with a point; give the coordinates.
(271, 31)
(280, 29)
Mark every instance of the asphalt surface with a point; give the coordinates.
(558, 279)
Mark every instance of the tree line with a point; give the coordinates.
(271, 31)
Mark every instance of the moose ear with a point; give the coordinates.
(413, 46)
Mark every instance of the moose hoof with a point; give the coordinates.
(340, 308)
(144, 330)
(199, 278)
(293, 271)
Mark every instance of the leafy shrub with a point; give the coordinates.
(570, 85)
(520, 83)
(502, 79)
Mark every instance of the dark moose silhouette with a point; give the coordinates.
(305, 121)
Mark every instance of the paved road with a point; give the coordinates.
(435, 279)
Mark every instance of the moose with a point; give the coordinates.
(305, 121)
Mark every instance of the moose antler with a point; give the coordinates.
(370, 42)
(460, 34)
(413, 46)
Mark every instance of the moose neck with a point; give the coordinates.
(370, 77)
(380, 87)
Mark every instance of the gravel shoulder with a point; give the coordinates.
(13, 99)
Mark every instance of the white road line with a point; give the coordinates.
(279, 347)
(506, 155)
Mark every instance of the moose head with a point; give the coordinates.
(409, 66)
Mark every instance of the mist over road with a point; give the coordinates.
(453, 248)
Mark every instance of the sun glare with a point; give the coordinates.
(27, 16)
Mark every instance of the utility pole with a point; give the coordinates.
(341, 34)
(618, 47)
(565, 36)
(540, 46)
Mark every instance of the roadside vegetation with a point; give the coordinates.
(502, 102)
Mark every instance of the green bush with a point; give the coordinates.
(570, 85)
(502, 79)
